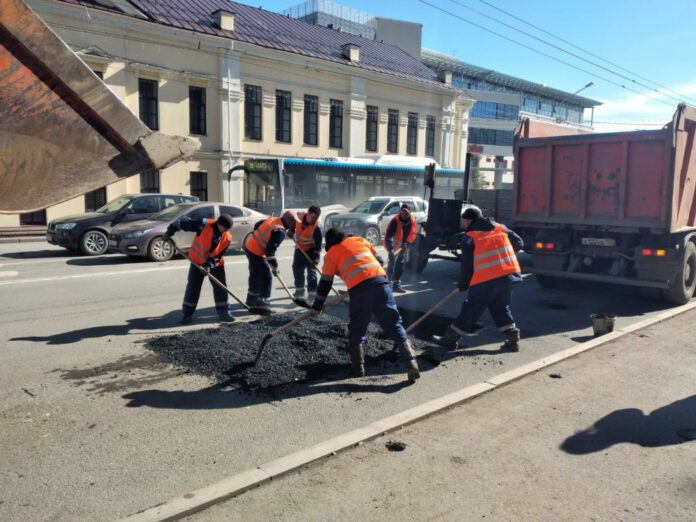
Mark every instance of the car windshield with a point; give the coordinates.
(370, 206)
(115, 205)
(170, 213)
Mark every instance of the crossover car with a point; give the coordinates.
(88, 232)
(144, 238)
(371, 218)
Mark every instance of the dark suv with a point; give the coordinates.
(87, 233)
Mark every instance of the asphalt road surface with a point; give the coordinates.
(94, 426)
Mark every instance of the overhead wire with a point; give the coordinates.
(574, 55)
(663, 87)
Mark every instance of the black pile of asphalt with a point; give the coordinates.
(313, 350)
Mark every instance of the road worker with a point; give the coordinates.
(260, 250)
(357, 263)
(307, 235)
(489, 268)
(400, 235)
(207, 249)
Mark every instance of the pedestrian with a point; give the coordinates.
(489, 268)
(401, 233)
(356, 262)
(207, 250)
(260, 250)
(307, 235)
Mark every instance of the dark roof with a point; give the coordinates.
(275, 31)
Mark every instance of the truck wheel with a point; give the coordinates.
(682, 290)
(160, 250)
(93, 243)
(373, 235)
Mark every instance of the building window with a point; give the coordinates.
(147, 98)
(197, 120)
(199, 185)
(95, 199)
(336, 124)
(311, 119)
(150, 182)
(412, 133)
(529, 104)
(393, 131)
(371, 128)
(283, 116)
(490, 136)
(252, 112)
(495, 111)
(430, 135)
(33, 218)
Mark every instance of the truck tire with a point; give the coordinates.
(682, 290)
(93, 243)
(373, 235)
(160, 250)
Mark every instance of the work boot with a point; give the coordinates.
(449, 340)
(396, 287)
(226, 317)
(299, 293)
(512, 338)
(357, 360)
(409, 356)
(185, 319)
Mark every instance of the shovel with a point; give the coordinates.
(314, 265)
(429, 312)
(297, 300)
(254, 310)
(243, 366)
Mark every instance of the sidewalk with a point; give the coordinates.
(605, 435)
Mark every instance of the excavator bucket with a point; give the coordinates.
(62, 131)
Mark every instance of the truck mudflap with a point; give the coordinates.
(63, 132)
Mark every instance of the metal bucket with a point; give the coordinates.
(602, 323)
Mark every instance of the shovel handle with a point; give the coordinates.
(433, 309)
(304, 316)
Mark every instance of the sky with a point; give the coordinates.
(640, 55)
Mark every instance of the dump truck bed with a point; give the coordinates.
(63, 132)
(617, 181)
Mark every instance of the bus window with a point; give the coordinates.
(261, 189)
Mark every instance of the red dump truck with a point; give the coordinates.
(613, 207)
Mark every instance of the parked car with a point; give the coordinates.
(144, 238)
(88, 232)
(370, 218)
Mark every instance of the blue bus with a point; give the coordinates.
(271, 185)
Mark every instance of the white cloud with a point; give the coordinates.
(635, 111)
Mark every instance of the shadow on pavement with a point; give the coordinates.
(671, 424)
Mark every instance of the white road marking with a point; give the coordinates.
(10, 273)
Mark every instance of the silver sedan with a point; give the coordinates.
(144, 238)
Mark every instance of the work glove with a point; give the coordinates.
(463, 286)
(209, 265)
(166, 237)
(273, 263)
(380, 259)
(172, 229)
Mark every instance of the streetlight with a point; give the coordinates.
(588, 85)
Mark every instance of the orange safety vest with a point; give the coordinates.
(305, 236)
(493, 255)
(354, 260)
(399, 234)
(256, 244)
(202, 243)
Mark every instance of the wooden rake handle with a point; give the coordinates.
(433, 309)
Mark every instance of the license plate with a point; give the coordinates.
(113, 242)
(598, 241)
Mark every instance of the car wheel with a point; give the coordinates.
(373, 235)
(160, 249)
(93, 243)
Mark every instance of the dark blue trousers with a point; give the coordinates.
(300, 265)
(395, 266)
(260, 278)
(367, 299)
(493, 295)
(193, 290)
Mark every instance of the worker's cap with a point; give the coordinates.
(472, 213)
(405, 207)
(225, 221)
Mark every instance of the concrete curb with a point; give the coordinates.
(198, 500)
